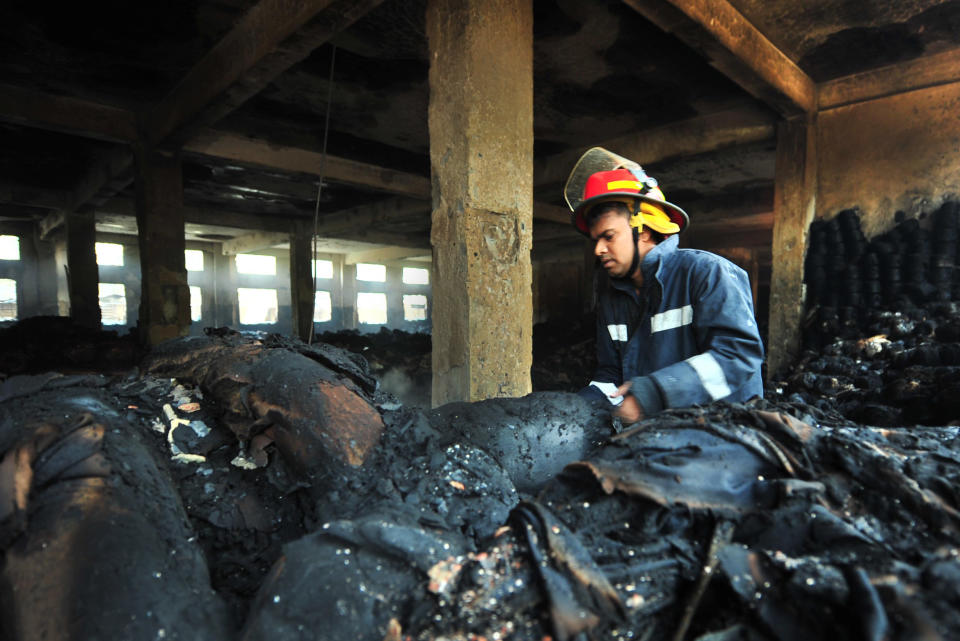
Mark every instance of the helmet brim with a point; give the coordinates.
(674, 213)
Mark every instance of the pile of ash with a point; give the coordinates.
(260, 488)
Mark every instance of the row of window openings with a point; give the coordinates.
(256, 306)
(111, 254)
(263, 265)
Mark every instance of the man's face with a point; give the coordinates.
(614, 243)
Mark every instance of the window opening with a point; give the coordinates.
(109, 254)
(196, 303)
(8, 299)
(322, 307)
(414, 307)
(193, 259)
(257, 306)
(9, 247)
(257, 264)
(369, 272)
(416, 276)
(113, 304)
(371, 308)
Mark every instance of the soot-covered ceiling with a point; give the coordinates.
(603, 71)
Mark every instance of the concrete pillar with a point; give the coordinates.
(165, 295)
(394, 292)
(39, 275)
(301, 281)
(794, 204)
(224, 290)
(481, 155)
(348, 287)
(82, 274)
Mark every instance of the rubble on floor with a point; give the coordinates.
(176, 502)
(882, 337)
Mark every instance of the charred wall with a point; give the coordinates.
(898, 153)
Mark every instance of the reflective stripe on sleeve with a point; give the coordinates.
(710, 374)
(671, 319)
(618, 332)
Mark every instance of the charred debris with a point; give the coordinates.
(238, 486)
(882, 332)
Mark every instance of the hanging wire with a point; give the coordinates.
(316, 209)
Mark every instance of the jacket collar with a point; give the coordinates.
(652, 263)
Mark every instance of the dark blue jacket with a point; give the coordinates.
(689, 337)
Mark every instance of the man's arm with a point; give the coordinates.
(727, 333)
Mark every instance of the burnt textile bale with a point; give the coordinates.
(322, 420)
(349, 579)
(532, 437)
(99, 546)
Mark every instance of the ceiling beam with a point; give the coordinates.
(66, 115)
(16, 194)
(699, 135)
(352, 222)
(205, 216)
(928, 71)
(256, 241)
(273, 36)
(420, 242)
(384, 255)
(737, 49)
(108, 167)
(253, 151)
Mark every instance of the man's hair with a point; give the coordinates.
(620, 208)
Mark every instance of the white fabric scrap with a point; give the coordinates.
(608, 389)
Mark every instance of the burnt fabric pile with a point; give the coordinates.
(904, 372)
(96, 544)
(882, 338)
(848, 277)
(244, 488)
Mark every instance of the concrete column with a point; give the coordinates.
(794, 204)
(39, 274)
(301, 281)
(82, 274)
(348, 284)
(224, 290)
(394, 292)
(165, 295)
(481, 155)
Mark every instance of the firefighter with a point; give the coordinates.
(675, 327)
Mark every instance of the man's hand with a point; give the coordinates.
(630, 410)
